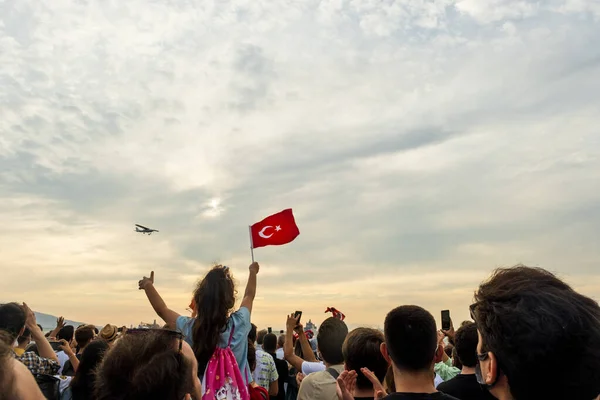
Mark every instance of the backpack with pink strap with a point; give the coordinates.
(222, 379)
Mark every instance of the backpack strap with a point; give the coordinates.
(231, 335)
(333, 372)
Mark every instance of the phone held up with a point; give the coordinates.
(298, 316)
(446, 321)
(270, 330)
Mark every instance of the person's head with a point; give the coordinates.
(109, 333)
(362, 349)
(466, 345)
(280, 341)
(448, 349)
(410, 339)
(270, 343)
(330, 339)
(538, 338)
(12, 320)
(148, 364)
(84, 336)
(82, 384)
(260, 336)
(214, 298)
(252, 348)
(25, 338)
(66, 332)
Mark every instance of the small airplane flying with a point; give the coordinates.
(144, 230)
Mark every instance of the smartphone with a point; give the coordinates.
(270, 330)
(446, 321)
(55, 346)
(120, 329)
(298, 315)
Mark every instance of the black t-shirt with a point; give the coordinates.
(364, 398)
(465, 387)
(282, 371)
(419, 396)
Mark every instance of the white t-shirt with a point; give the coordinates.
(62, 359)
(310, 367)
(279, 354)
(438, 379)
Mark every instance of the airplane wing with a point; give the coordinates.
(141, 226)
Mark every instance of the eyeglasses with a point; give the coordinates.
(472, 309)
(168, 332)
(483, 356)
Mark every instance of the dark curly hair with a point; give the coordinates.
(144, 366)
(466, 344)
(540, 330)
(215, 298)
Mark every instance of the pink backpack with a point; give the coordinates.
(222, 378)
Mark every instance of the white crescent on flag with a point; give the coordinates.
(262, 232)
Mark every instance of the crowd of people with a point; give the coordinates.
(531, 336)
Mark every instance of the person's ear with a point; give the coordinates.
(384, 352)
(491, 374)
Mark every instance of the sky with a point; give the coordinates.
(420, 143)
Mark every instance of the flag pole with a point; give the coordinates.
(251, 244)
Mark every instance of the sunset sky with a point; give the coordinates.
(421, 144)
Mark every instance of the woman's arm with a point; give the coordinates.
(250, 293)
(160, 307)
(288, 346)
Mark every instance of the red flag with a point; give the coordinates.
(275, 230)
(336, 313)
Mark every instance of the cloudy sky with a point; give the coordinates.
(421, 144)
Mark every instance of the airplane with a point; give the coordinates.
(144, 230)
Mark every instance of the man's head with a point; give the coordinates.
(466, 345)
(280, 341)
(12, 320)
(330, 339)
(362, 349)
(260, 337)
(24, 339)
(411, 339)
(84, 336)
(538, 338)
(66, 333)
(270, 343)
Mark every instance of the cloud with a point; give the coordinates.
(420, 143)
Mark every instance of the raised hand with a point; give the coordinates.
(30, 320)
(291, 322)
(378, 388)
(346, 385)
(145, 281)
(254, 267)
(60, 322)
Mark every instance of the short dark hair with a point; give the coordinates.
(84, 336)
(66, 333)
(12, 319)
(270, 343)
(466, 344)
(25, 337)
(144, 365)
(260, 337)
(281, 340)
(411, 338)
(362, 349)
(330, 339)
(540, 330)
(252, 333)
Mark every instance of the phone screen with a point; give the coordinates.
(55, 346)
(446, 322)
(298, 315)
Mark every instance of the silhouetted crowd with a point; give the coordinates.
(531, 336)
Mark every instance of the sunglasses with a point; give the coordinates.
(167, 332)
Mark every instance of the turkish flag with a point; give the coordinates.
(275, 230)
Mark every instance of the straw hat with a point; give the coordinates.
(109, 333)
